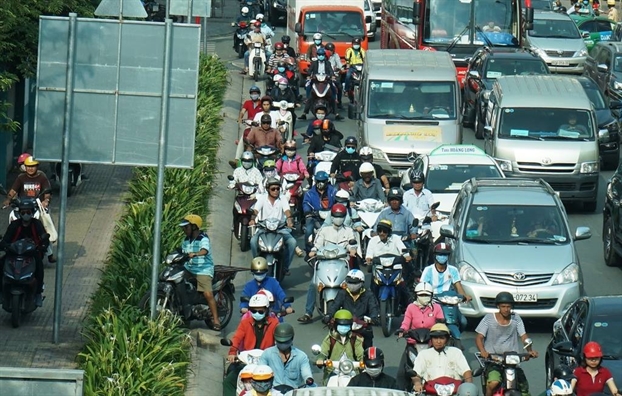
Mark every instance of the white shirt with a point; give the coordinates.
(252, 175)
(440, 281)
(274, 114)
(338, 236)
(266, 210)
(419, 205)
(431, 365)
(376, 247)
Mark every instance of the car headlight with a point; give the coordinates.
(617, 85)
(570, 274)
(378, 154)
(541, 53)
(469, 274)
(505, 166)
(580, 53)
(589, 167)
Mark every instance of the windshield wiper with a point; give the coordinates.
(347, 34)
(534, 240)
(523, 137)
(558, 137)
(559, 36)
(611, 357)
(401, 117)
(457, 38)
(479, 240)
(329, 35)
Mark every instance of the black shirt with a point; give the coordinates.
(382, 381)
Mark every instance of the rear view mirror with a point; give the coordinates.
(416, 13)
(474, 73)
(288, 300)
(563, 348)
(602, 67)
(582, 233)
(368, 19)
(448, 231)
(488, 132)
(298, 28)
(529, 18)
(435, 205)
(230, 177)
(225, 342)
(585, 35)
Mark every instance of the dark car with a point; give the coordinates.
(608, 123)
(612, 226)
(588, 319)
(484, 67)
(604, 65)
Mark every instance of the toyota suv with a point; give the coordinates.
(513, 235)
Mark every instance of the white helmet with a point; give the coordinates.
(343, 195)
(244, 10)
(317, 36)
(424, 288)
(561, 387)
(366, 151)
(367, 167)
(259, 301)
(262, 372)
(267, 293)
(355, 275)
(259, 17)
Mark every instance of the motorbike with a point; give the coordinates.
(454, 320)
(355, 82)
(345, 369)
(330, 269)
(239, 35)
(271, 246)
(422, 341)
(257, 61)
(263, 154)
(387, 275)
(368, 210)
(242, 359)
(280, 313)
(177, 291)
(508, 362)
(19, 284)
(321, 90)
(244, 200)
(442, 386)
(75, 176)
(285, 121)
(323, 160)
(292, 187)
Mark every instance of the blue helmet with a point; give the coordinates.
(254, 88)
(321, 51)
(321, 176)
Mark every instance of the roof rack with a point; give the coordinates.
(511, 182)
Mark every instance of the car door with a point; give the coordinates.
(605, 28)
(591, 65)
(601, 58)
(615, 196)
(562, 330)
(606, 57)
(578, 333)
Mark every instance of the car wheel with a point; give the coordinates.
(611, 257)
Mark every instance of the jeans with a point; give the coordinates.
(289, 241)
(247, 56)
(349, 77)
(309, 227)
(311, 292)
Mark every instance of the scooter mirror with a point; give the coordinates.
(288, 300)
(527, 343)
(435, 205)
(225, 342)
(416, 223)
(316, 349)
(244, 299)
(352, 242)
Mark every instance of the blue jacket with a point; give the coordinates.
(312, 201)
(272, 285)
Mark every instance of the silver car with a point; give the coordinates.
(557, 40)
(513, 235)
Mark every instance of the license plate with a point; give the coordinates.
(560, 63)
(526, 297)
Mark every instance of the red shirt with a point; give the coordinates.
(251, 108)
(586, 385)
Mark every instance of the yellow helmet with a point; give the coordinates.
(192, 219)
(30, 161)
(259, 265)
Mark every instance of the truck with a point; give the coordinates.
(338, 24)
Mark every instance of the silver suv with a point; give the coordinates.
(513, 235)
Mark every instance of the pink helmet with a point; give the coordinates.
(282, 80)
(22, 158)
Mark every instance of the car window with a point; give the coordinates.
(579, 326)
(596, 97)
(605, 58)
(458, 209)
(589, 26)
(617, 64)
(449, 178)
(554, 28)
(605, 329)
(509, 67)
(603, 26)
(569, 318)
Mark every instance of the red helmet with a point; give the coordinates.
(242, 24)
(22, 158)
(442, 248)
(278, 46)
(257, 24)
(592, 350)
(317, 124)
(339, 210)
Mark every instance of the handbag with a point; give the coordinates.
(48, 224)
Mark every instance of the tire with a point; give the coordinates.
(244, 238)
(611, 257)
(385, 320)
(589, 206)
(256, 74)
(478, 126)
(224, 305)
(241, 51)
(144, 303)
(16, 303)
(279, 270)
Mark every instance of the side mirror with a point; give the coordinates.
(474, 73)
(416, 223)
(563, 348)
(352, 113)
(316, 349)
(601, 67)
(477, 372)
(298, 28)
(352, 242)
(244, 299)
(368, 19)
(585, 35)
(603, 135)
(529, 18)
(615, 105)
(582, 233)
(288, 300)
(225, 342)
(230, 178)
(416, 13)
(488, 132)
(435, 205)
(448, 231)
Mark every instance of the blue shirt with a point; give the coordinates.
(402, 220)
(199, 265)
(440, 281)
(293, 373)
(270, 284)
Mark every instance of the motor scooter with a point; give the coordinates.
(322, 161)
(271, 246)
(257, 61)
(508, 363)
(344, 369)
(387, 276)
(245, 198)
(407, 362)
(75, 176)
(292, 188)
(238, 38)
(355, 81)
(263, 154)
(368, 210)
(242, 359)
(455, 321)
(331, 266)
(441, 386)
(321, 91)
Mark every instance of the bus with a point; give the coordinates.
(456, 26)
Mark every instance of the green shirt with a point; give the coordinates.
(339, 349)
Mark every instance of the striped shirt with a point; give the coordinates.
(500, 338)
(199, 265)
(440, 281)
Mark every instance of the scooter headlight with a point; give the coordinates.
(262, 245)
(346, 366)
(444, 390)
(237, 207)
(512, 359)
(278, 245)
(272, 224)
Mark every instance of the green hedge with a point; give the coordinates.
(126, 354)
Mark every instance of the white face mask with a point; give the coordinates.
(320, 116)
(373, 372)
(338, 221)
(424, 300)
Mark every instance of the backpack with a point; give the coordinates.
(333, 341)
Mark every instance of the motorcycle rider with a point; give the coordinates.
(328, 135)
(336, 234)
(321, 66)
(248, 173)
(441, 276)
(283, 92)
(339, 342)
(367, 155)
(353, 220)
(591, 377)
(317, 44)
(266, 109)
(321, 196)
(319, 112)
(279, 55)
(397, 214)
(386, 243)
(244, 16)
(264, 135)
(269, 169)
(30, 183)
(347, 161)
(291, 162)
(355, 55)
(256, 332)
(361, 303)
(418, 200)
(290, 51)
(373, 376)
(274, 205)
(561, 372)
(266, 30)
(252, 106)
(440, 360)
(367, 187)
(335, 62)
(261, 281)
(498, 333)
(290, 364)
(284, 118)
(29, 227)
(254, 36)
(262, 382)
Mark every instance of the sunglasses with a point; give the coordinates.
(265, 123)
(350, 147)
(383, 232)
(275, 188)
(25, 212)
(253, 310)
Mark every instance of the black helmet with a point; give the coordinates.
(273, 181)
(385, 225)
(416, 176)
(286, 39)
(27, 203)
(320, 104)
(266, 119)
(373, 357)
(356, 41)
(504, 298)
(330, 47)
(281, 63)
(395, 193)
(351, 140)
(283, 332)
(563, 372)
(254, 88)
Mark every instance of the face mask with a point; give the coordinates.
(356, 47)
(262, 386)
(321, 57)
(290, 153)
(442, 258)
(254, 96)
(247, 165)
(281, 69)
(282, 86)
(338, 221)
(317, 42)
(320, 185)
(26, 217)
(248, 386)
(373, 372)
(367, 179)
(424, 300)
(259, 277)
(350, 150)
(284, 346)
(258, 316)
(343, 329)
(268, 174)
(320, 116)
(354, 287)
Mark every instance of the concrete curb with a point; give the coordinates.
(207, 368)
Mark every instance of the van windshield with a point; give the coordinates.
(411, 100)
(333, 24)
(546, 124)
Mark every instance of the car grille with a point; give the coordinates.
(563, 186)
(395, 157)
(535, 167)
(545, 303)
(510, 280)
(564, 54)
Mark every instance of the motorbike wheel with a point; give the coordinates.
(256, 72)
(241, 51)
(224, 305)
(385, 321)
(279, 271)
(161, 302)
(16, 303)
(244, 238)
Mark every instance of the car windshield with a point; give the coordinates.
(606, 331)
(546, 124)
(509, 67)
(412, 100)
(449, 178)
(541, 4)
(596, 97)
(513, 224)
(554, 28)
(333, 24)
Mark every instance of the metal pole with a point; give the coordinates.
(205, 35)
(168, 29)
(64, 175)
(168, 4)
(189, 21)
